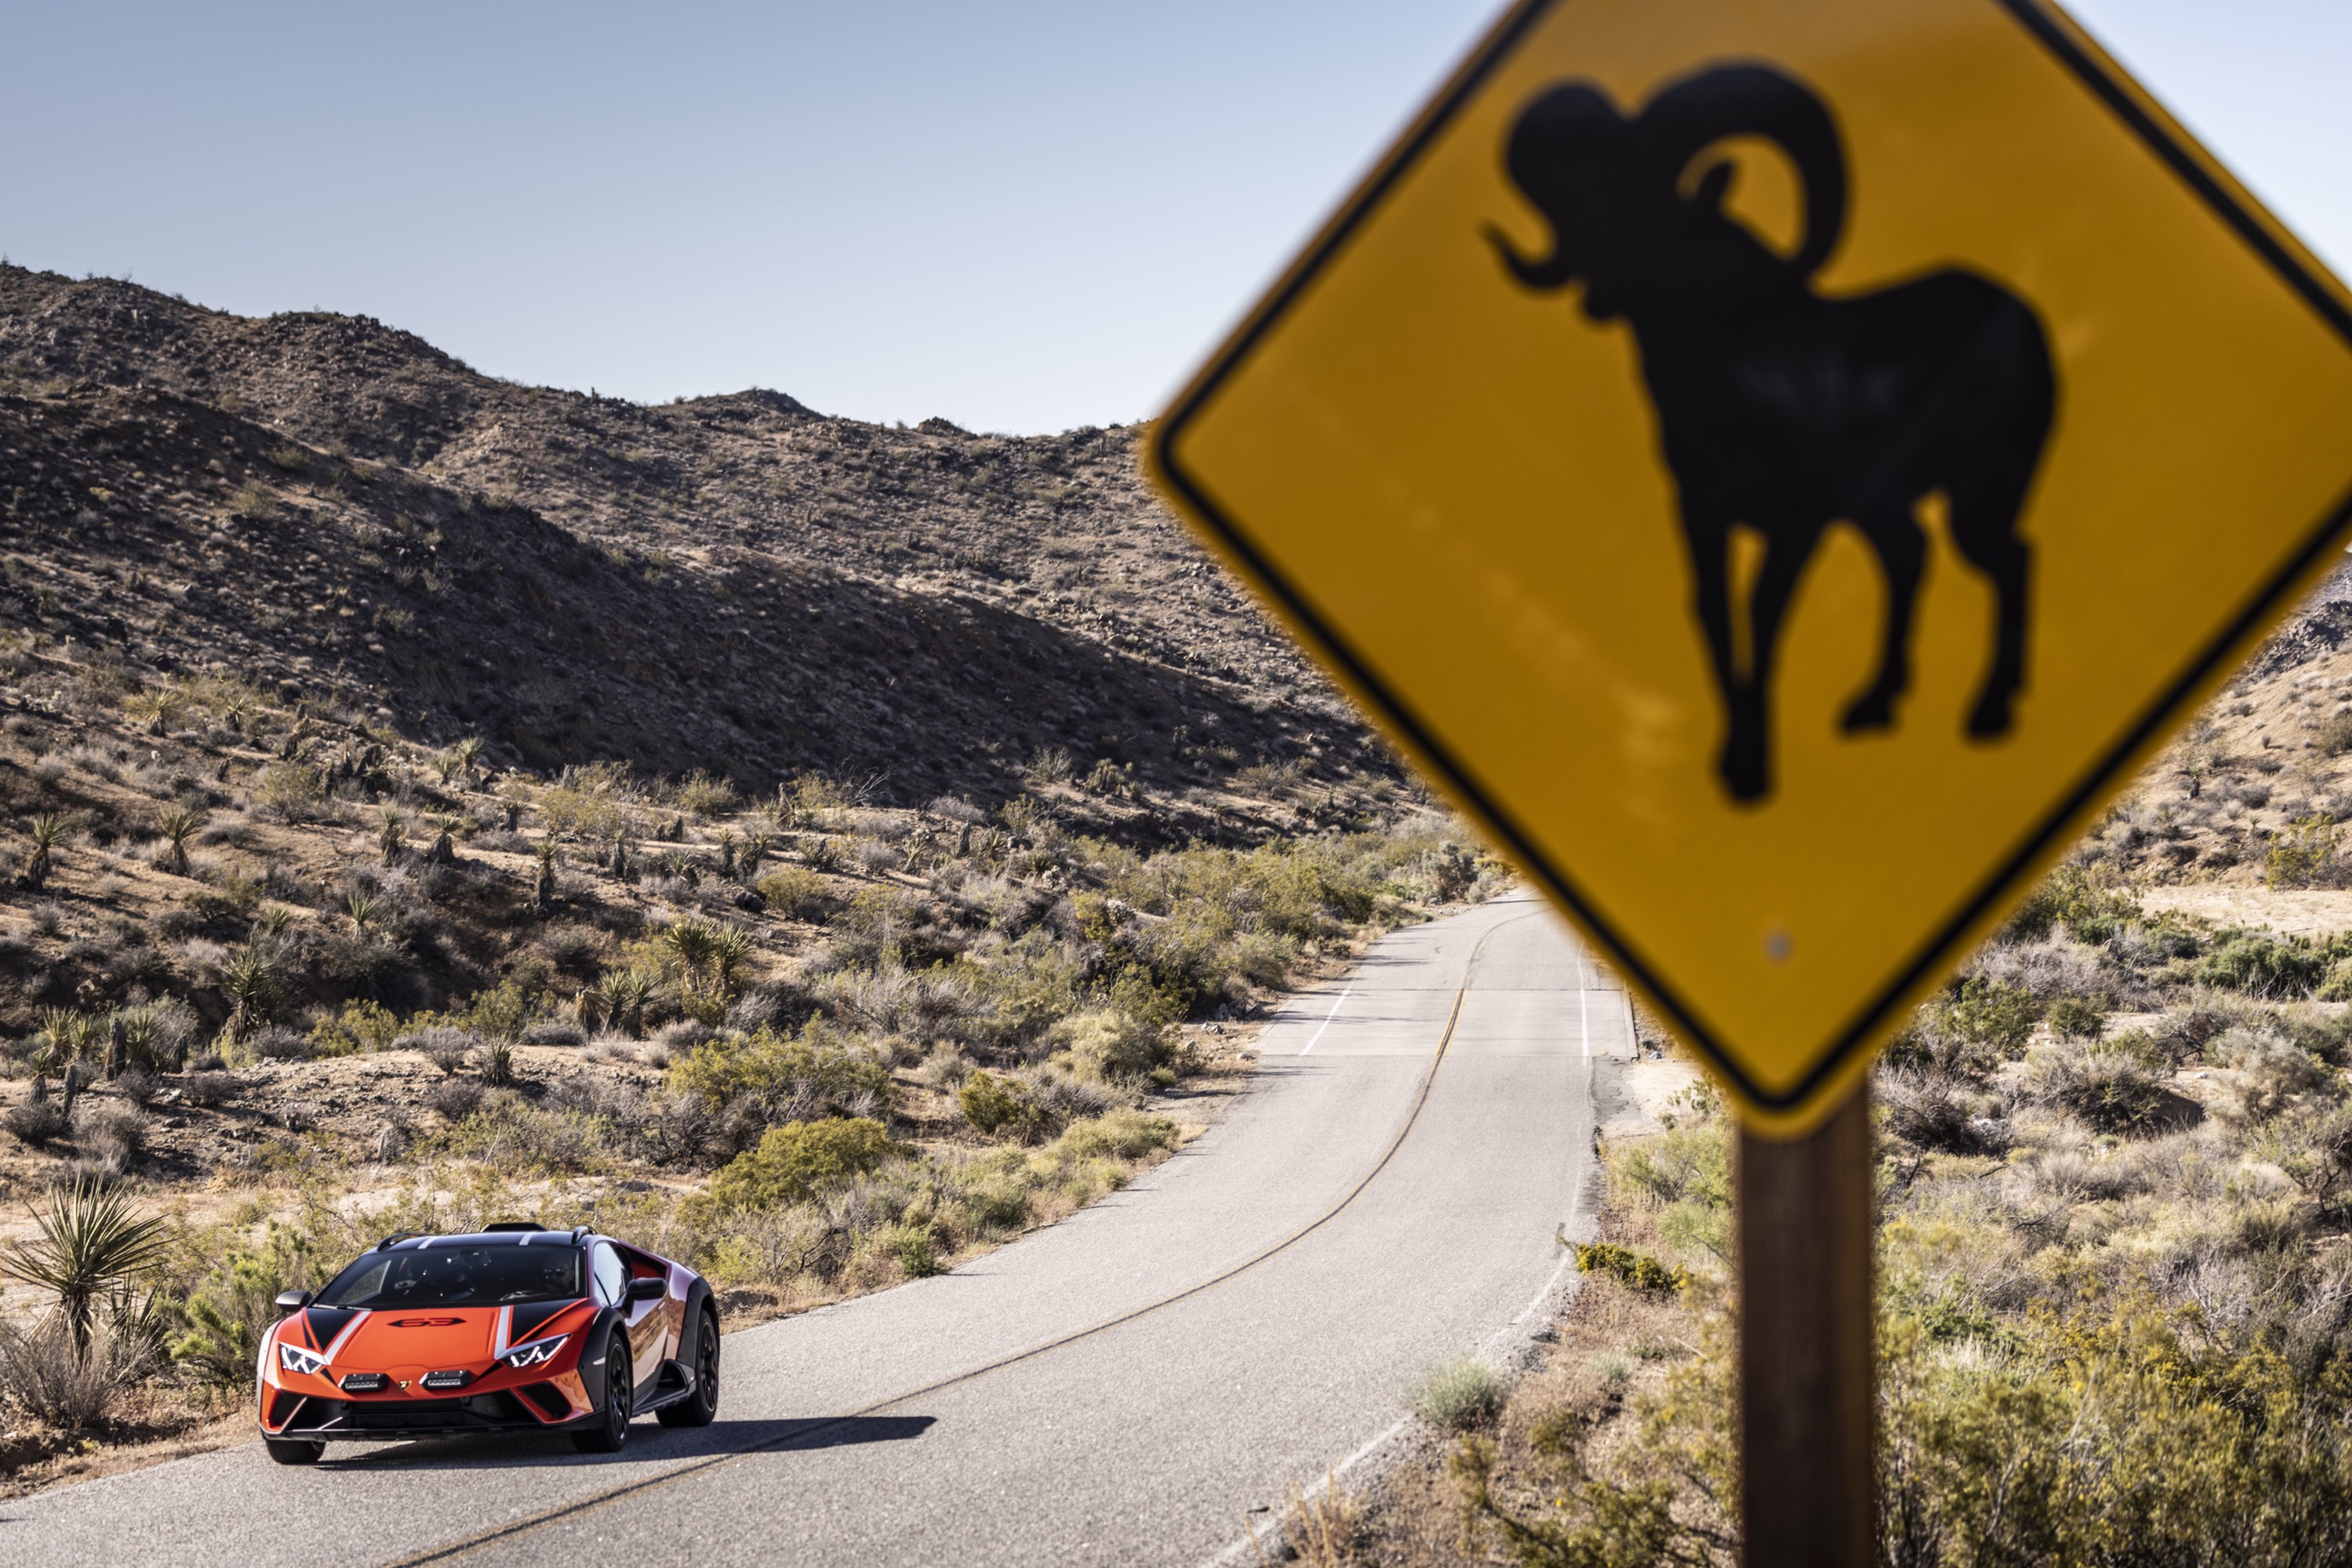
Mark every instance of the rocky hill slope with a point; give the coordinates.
(344, 514)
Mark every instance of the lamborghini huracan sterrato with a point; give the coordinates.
(518, 1329)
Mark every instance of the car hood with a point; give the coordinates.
(412, 1340)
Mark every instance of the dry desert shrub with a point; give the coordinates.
(1320, 1529)
(1460, 1394)
(45, 1375)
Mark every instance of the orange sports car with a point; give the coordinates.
(517, 1329)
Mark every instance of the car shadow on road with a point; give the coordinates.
(645, 1444)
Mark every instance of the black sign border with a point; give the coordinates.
(2250, 621)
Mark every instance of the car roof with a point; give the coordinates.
(503, 1235)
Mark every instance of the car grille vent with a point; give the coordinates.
(546, 1400)
(502, 1406)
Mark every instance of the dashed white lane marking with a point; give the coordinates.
(1327, 1022)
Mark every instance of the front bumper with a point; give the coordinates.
(533, 1407)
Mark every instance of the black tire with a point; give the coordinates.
(612, 1433)
(698, 1409)
(294, 1450)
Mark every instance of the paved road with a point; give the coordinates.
(1122, 1388)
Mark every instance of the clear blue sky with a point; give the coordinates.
(1021, 214)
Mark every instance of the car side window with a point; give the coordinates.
(612, 1276)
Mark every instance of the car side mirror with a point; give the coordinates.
(649, 1289)
(293, 1300)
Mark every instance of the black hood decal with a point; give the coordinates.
(325, 1322)
(531, 1317)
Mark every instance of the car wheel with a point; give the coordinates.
(294, 1450)
(620, 1396)
(697, 1408)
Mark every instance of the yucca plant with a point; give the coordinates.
(58, 1038)
(392, 835)
(250, 980)
(542, 896)
(468, 753)
(143, 1028)
(47, 832)
(691, 941)
(90, 1242)
(730, 951)
(445, 842)
(364, 908)
(177, 824)
(161, 709)
(622, 995)
(755, 849)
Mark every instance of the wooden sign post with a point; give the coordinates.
(1807, 1319)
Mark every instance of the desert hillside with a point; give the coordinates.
(340, 515)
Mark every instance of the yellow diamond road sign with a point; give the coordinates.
(1782, 464)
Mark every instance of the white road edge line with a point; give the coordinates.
(1583, 1007)
(1327, 1022)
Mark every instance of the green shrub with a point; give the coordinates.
(2112, 1090)
(802, 1161)
(496, 1015)
(592, 801)
(1993, 1016)
(1122, 1134)
(1686, 1164)
(993, 1105)
(795, 892)
(2078, 1018)
(1636, 1270)
(775, 1077)
(233, 1302)
(913, 1246)
(504, 1131)
(292, 791)
(1460, 1395)
(2068, 898)
(1112, 1047)
(706, 796)
(363, 1026)
(2301, 853)
(2263, 965)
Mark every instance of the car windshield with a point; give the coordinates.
(478, 1276)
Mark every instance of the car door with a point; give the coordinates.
(649, 1321)
(612, 1279)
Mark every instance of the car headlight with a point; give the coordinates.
(294, 1358)
(537, 1352)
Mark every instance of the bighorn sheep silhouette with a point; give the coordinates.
(1779, 409)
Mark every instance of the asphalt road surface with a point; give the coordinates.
(1122, 1388)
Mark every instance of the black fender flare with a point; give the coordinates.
(599, 1335)
(689, 1338)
